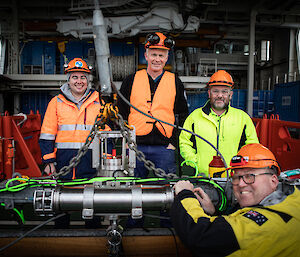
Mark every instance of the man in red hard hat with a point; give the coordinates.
(225, 127)
(160, 94)
(266, 224)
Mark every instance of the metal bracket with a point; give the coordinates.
(43, 202)
(88, 202)
(137, 203)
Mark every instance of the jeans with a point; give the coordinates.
(161, 157)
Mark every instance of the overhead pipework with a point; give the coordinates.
(162, 15)
(102, 50)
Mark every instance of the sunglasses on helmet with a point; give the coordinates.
(154, 39)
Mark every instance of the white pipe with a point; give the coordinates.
(298, 49)
(292, 55)
(251, 62)
(138, 19)
(102, 51)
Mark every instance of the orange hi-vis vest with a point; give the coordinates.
(161, 107)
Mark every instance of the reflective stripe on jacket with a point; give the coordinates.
(233, 130)
(68, 125)
(160, 107)
(252, 231)
(65, 129)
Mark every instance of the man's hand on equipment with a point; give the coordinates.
(204, 201)
(183, 184)
(202, 197)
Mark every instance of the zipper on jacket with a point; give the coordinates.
(84, 119)
(218, 132)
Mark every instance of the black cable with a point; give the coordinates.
(177, 141)
(178, 127)
(30, 231)
(172, 232)
(175, 241)
(156, 216)
(172, 125)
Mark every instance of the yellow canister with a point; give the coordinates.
(217, 168)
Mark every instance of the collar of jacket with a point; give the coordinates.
(157, 79)
(87, 94)
(276, 197)
(207, 108)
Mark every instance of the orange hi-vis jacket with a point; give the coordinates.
(66, 127)
(160, 107)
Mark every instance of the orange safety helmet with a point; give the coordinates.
(159, 40)
(77, 64)
(254, 156)
(221, 78)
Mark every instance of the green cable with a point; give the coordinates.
(36, 183)
(216, 185)
(196, 167)
(20, 213)
(150, 179)
(120, 179)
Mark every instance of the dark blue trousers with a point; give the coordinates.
(161, 156)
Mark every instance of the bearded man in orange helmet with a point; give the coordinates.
(160, 94)
(266, 224)
(225, 127)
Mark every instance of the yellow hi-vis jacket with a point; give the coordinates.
(160, 107)
(233, 129)
(259, 231)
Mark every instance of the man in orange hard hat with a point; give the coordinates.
(267, 222)
(160, 94)
(225, 127)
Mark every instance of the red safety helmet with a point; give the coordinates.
(254, 156)
(159, 40)
(221, 78)
(77, 64)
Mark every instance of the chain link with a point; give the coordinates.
(149, 165)
(109, 112)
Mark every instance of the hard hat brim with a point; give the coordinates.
(80, 70)
(158, 47)
(220, 84)
(255, 165)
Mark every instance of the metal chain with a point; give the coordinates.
(110, 113)
(139, 154)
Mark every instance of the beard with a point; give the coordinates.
(219, 105)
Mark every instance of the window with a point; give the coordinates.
(2, 55)
(298, 48)
(246, 49)
(265, 50)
